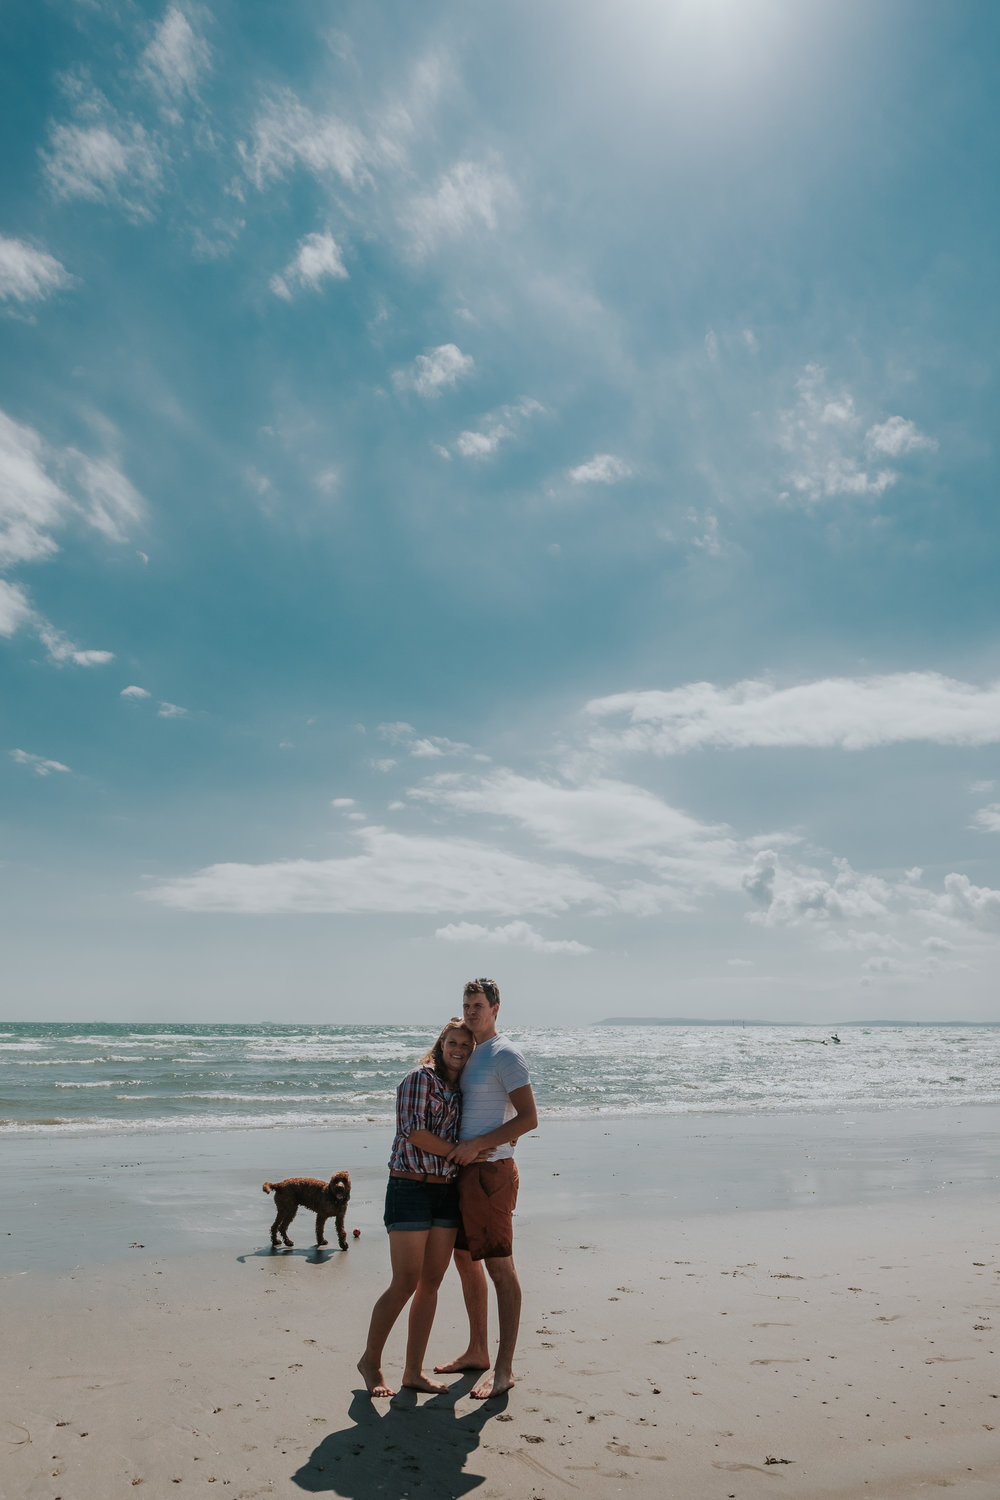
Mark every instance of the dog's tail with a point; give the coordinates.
(267, 1187)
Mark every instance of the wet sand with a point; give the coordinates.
(714, 1307)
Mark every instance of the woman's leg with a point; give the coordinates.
(437, 1256)
(406, 1254)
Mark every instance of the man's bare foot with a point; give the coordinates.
(493, 1385)
(372, 1377)
(421, 1383)
(470, 1360)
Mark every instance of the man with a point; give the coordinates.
(497, 1107)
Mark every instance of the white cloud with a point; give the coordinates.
(171, 711)
(316, 260)
(988, 818)
(709, 540)
(829, 446)
(287, 134)
(470, 197)
(38, 764)
(790, 897)
(116, 162)
(27, 274)
(497, 427)
(896, 437)
(511, 935)
(61, 649)
(393, 873)
(133, 692)
(849, 713)
(424, 747)
(435, 372)
(342, 802)
(176, 55)
(114, 503)
(15, 610)
(33, 504)
(603, 468)
(975, 905)
(604, 820)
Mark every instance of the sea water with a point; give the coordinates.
(59, 1078)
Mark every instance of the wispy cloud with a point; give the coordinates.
(38, 763)
(316, 260)
(849, 713)
(422, 747)
(287, 134)
(28, 274)
(468, 198)
(498, 427)
(133, 692)
(510, 935)
(176, 56)
(603, 468)
(17, 613)
(988, 818)
(392, 873)
(34, 504)
(432, 373)
(61, 649)
(15, 609)
(113, 161)
(832, 451)
(171, 711)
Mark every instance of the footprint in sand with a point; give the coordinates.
(801, 1360)
(945, 1359)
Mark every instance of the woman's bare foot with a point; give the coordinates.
(420, 1382)
(372, 1377)
(470, 1360)
(493, 1385)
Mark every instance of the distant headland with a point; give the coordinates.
(740, 1021)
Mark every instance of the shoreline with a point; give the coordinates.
(711, 1312)
(177, 1193)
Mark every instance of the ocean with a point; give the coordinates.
(83, 1079)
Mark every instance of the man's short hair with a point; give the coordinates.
(487, 987)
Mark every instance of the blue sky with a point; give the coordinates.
(499, 489)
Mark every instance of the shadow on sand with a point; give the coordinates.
(313, 1255)
(399, 1450)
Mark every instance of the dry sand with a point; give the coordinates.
(833, 1351)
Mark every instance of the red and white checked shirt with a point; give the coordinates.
(424, 1102)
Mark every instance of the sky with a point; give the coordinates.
(499, 489)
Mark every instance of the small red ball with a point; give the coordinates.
(357, 1234)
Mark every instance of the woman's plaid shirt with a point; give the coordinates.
(424, 1102)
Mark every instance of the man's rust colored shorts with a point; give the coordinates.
(487, 1193)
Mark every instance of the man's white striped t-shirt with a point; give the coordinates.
(493, 1072)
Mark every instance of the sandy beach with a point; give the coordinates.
(714, 1307)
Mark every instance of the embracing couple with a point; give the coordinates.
(452, 1189)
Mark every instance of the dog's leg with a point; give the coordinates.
(286, 1219)
(341, 1232)
(320, 1225)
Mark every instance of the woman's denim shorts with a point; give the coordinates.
(421, 1205)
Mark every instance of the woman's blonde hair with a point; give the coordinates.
(435, 1057)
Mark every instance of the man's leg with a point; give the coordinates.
(508, 1290)
(477, 1355)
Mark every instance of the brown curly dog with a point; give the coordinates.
(325, 1199)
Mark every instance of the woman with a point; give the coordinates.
(421, 1206)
